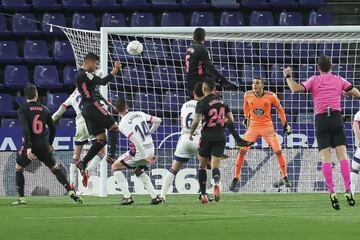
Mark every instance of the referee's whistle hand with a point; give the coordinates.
(287, 72)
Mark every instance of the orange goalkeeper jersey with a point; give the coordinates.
(258, 109)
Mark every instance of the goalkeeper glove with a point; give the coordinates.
(287, 129)
(246, 122)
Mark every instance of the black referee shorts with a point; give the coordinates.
(209, 147)
(97, 118)
(329, 130)
(41, 150)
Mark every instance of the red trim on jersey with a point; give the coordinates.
(86, 91)
(130, 134)
(200, 69)
(101, 109)
(356, 120)
(64, 105)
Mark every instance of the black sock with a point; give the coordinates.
(233, 132)
(202, 181)
(216, 175)
(94, 149)
(61, 177)
(20, 182)
(113, 137)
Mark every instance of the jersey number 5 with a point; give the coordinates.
(143, 130)
(217, 117)
(37, 125)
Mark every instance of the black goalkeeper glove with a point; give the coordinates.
(287, 129)
(246, 122)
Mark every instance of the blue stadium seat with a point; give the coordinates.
(164, 77)
(105, 4)
(242, 51)
(254, 4)
(36, 51)
(84, 21)
(195, 4)
(303, 50)
(20, 100)
(46, 76)
(6, 105)
(250, 71)
(113, 20)
(16, 76)
(67, 122)
(332, 50)
(350, 105)
(69, 74)
(165, 4)
(179, 47)
(225, 4)
(76, 5)
(291, 19)
(172, 19)
(53, 18)
(63, 52)
(9, 52)
(142, 19)
(311, 3)
(231, 19)
(155, 49)
(344, 70)
(235, 100)
(202, 19)
(135, 4)
(54, 100)
(146, 102)
(10, 123)
(291, 102)
(18, 5)
(306, 71)
(229, 71)
(46, 4)
(272, 50)
(261, 19)
(24, 24)
(217, 50)
(320, 19)
(283, 4)
(135, 75)
(277, 75)
(4, 31)
(174, 101)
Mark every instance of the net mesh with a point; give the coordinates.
(154, 82)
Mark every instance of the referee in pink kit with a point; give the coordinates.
(326, 90)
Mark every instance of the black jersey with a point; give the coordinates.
(88, 85)
(37, 124)
(213, 110)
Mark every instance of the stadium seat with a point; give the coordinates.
(242, 51)
(277, 75)
(217, 50)
(350, 105)
(20, 100)
(16, 76)
(291, 19)
(255, 4)
(9, 52)
(261, 19)
(84, 21)
(283, 4)
(225, 4)
(113, 20)
(320, 19)
(75, 5)
(235, 100)
(146, 102)
(46, 76)
(6, 105)
(229, 71)
(155, 49)
(344, 70)
(135, 4)
(18, 5)
(179, 47)
(135, 75)
(105, 4)
(46, 4)
(69, 74)
(291, 102)
(332, 50)
(202, 19)
(53, 18)
(303, 50)
(54, 100)
(231, 19)
(142, 19)
(250, 71)
(67, 122)
(36, 51)
(272, 51)
(10, 123)
(172, 19)
(305, 118)
(195, 4)
(164, 77)
(165, 4)
(4, 31)
(173, 101)
(306, 71)
(311, 3)
(63, 52)
(24, 24)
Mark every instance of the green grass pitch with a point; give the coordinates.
(236, 216)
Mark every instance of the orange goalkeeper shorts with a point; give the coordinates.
(267, 132)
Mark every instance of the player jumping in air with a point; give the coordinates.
(355, 163)
(326, 90)
(134, 125)
(257, 112)
(38, 136)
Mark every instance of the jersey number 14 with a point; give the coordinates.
(143, 130)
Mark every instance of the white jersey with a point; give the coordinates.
(357, 119)
(74, 100)
(187, 117)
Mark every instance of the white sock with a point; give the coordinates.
(145, 179)
(73, 173)
(169, 178)
(208, 178)
(354, 176)
(94, 163)
(123, 183)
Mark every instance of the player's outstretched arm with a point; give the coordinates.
(155, 123)
(52, 129)
(58, 114)
(92, 78)
(294, 86)
(353, 92)
(281, 111)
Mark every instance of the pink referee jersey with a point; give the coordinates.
(326, 90)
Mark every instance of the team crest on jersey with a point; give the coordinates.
(259, 111)
(266, 104)
(89, 75)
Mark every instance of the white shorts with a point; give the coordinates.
(186, 148)
(357, 153)
(82, 134)
(138, 160)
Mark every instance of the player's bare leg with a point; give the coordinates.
(215, 164)
(119, 176)
(169, 178)
(202, 179)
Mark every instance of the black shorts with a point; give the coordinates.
(42, 151)
(209, 147)
(329, 130)
(97, 118)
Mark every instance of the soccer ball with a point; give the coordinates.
(134, 48)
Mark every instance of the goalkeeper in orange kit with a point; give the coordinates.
(257, 111)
